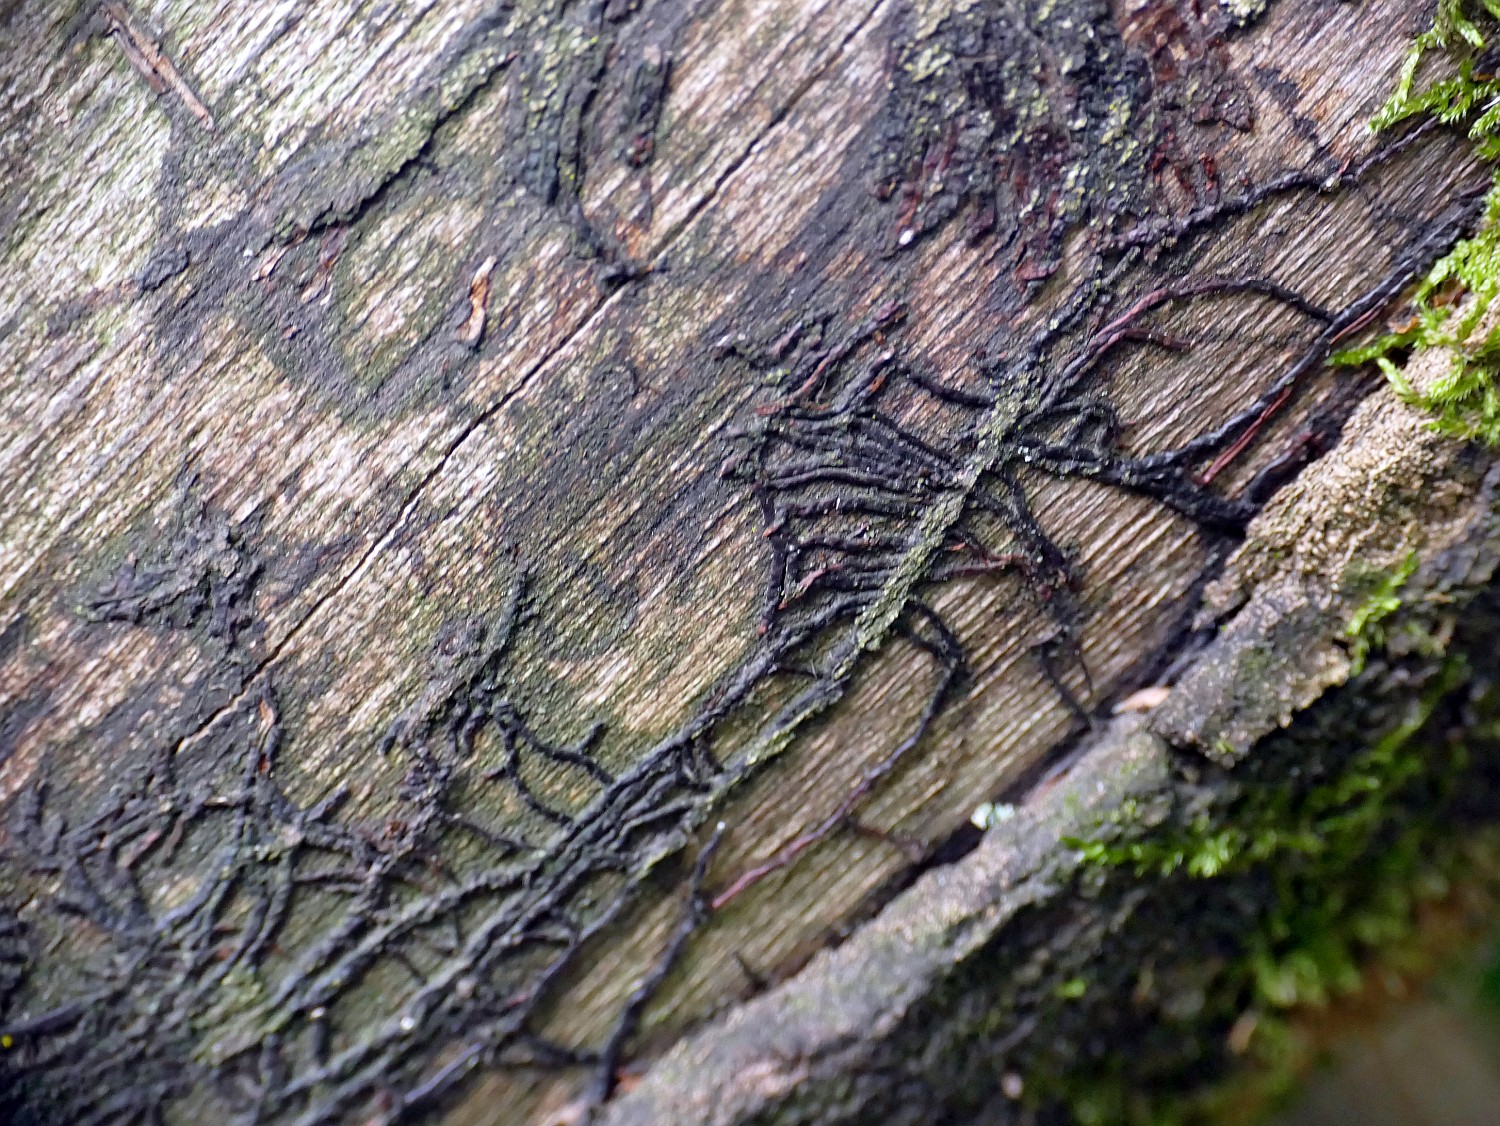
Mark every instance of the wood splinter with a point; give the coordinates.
(152, 63)
(472, 330)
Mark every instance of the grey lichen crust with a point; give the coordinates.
(1313, 556)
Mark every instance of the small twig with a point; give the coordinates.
(152, 63)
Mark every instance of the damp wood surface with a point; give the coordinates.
(395, 385)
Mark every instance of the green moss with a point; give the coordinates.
(1349, 859)
(1451, 306)
(1072, 989)
(1365, 630)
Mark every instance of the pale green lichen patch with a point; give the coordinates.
(1244, 10)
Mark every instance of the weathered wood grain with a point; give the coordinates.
(262, 468)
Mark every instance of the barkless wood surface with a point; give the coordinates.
(461, 461)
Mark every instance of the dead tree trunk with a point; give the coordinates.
(521, 522)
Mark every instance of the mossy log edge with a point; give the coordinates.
(934, 1008)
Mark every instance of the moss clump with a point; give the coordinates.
(1342, 860)
(1452, 305)
(1333, 819)
(1365, 629)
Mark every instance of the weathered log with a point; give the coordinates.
(526, 521)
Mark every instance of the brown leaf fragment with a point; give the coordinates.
(479, 303)
(1144, 700)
